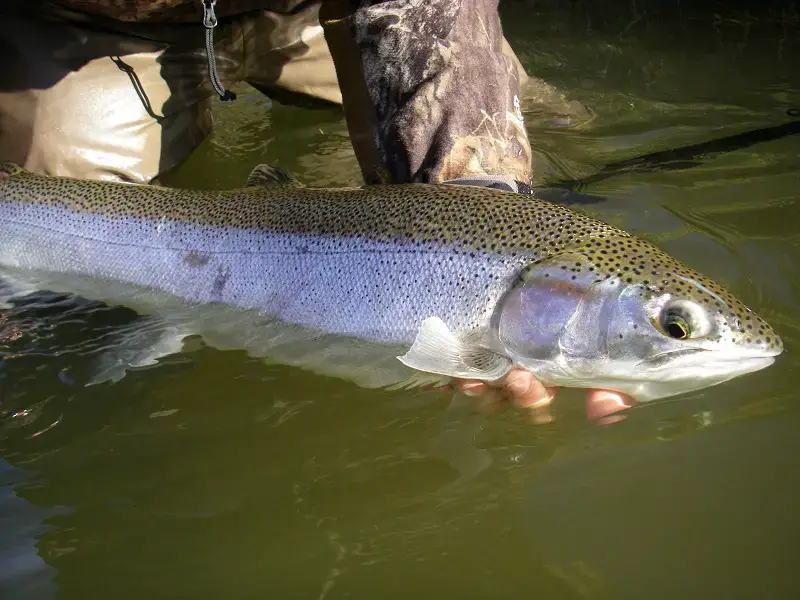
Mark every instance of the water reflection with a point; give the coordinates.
(23, 571)
(687, 517)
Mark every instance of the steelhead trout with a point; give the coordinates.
(383, 285)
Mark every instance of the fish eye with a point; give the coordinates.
(676, 327)
(683, 320)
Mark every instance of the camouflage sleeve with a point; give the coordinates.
(430, 88)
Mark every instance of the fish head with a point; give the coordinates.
(618, 313)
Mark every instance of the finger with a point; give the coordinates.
(519, 387)
(525, 390)
(540, 415)
(603, 406)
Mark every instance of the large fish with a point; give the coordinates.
(383, 285)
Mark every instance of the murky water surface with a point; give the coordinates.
(216, 476)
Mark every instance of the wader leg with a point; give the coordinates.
(288, 59)
(79, 102)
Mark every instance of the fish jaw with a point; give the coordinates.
(706, 368)
(683, 374)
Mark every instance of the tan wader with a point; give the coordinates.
(431, 87)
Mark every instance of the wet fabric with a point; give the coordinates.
(441, 83)
(122, 101)
(111, 90)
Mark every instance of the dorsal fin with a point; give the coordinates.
(11, 168)
(271, 175)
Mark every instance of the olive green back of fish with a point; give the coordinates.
(469, 218)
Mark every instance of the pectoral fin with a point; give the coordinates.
(12, 288)
(141, 345)
(11, 169)
(271, 175)
(437, 350)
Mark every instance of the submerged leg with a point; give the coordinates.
(80, 99)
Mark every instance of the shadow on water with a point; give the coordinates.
(676, 159)
(685, 157)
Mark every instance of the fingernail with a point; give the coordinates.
(540, 403)
(602, 404)
(472, 389)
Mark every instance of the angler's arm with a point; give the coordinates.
(431, 89)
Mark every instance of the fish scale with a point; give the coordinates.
(370, 263)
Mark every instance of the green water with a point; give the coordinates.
(215, 476)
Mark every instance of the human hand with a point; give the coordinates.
(521, 389)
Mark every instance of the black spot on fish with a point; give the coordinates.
(219, 284)
(195, 259)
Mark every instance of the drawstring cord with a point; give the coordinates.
(210, 22)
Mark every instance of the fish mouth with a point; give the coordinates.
(713, 359)
(691, 369)
(663, 359)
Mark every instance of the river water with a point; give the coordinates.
(216, 476)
